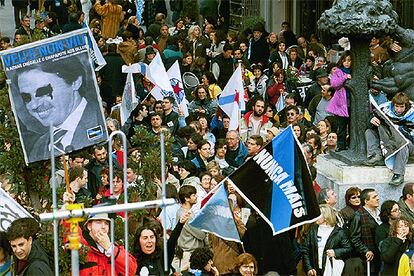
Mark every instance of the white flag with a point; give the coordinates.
(158, 76)
(231, 99)
(129, 99)
(10, 210)
(176, 82)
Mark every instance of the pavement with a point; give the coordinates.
(7, 20)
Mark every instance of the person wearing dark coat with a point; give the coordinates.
(259, 49)
(149, 253)
(259, 241)
(95, 167)
(29, 257)
(287, 35)
(390, 211)
(112, 72)
(335, 240)
(394, 246)
(73, 23)
(353, 204)
(316, 88)
(362, 229)
(222, 66)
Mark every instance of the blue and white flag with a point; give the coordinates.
(276, 183)
(140, 9)
(139, 67)
(96, 55)
(216, 217)
(231, 99)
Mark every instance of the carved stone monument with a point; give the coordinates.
(358, 20)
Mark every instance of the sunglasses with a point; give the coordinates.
(355, 196)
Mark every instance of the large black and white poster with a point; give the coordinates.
(52, 84)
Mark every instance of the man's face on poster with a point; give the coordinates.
(47, 96)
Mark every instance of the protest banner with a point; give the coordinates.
(10, 210)
(277, 184)
(52, 83)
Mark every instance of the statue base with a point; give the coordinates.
(349, 157)
(340, 176)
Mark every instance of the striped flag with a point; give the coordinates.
(276, 183)
(216, 216)
(231, 100)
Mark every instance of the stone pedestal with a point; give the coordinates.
(340, 176)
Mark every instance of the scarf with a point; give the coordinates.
(345, 70)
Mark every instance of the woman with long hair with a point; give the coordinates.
(393, 247)
(148, 251)
(202, 104)
(196, 44)
(353, 203)
(390, 211)
(210, 81)
(324, 239)
(218, 40)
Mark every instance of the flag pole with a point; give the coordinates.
(226, 188)
(65, 168)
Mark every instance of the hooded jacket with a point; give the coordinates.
(37, 262)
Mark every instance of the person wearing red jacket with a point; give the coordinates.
(95, 236)
(255, 121)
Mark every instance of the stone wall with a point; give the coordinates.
(340, 176)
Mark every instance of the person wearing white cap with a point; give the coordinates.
(95, 236)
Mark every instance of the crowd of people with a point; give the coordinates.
(288, 81)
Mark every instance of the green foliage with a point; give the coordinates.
(150, 154)
(31, 180)
(30, 184)
(251, 21)
(292, 76)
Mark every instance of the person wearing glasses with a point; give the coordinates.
(353, 204)
(63, 95)
(390, 211)
(292, 116)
